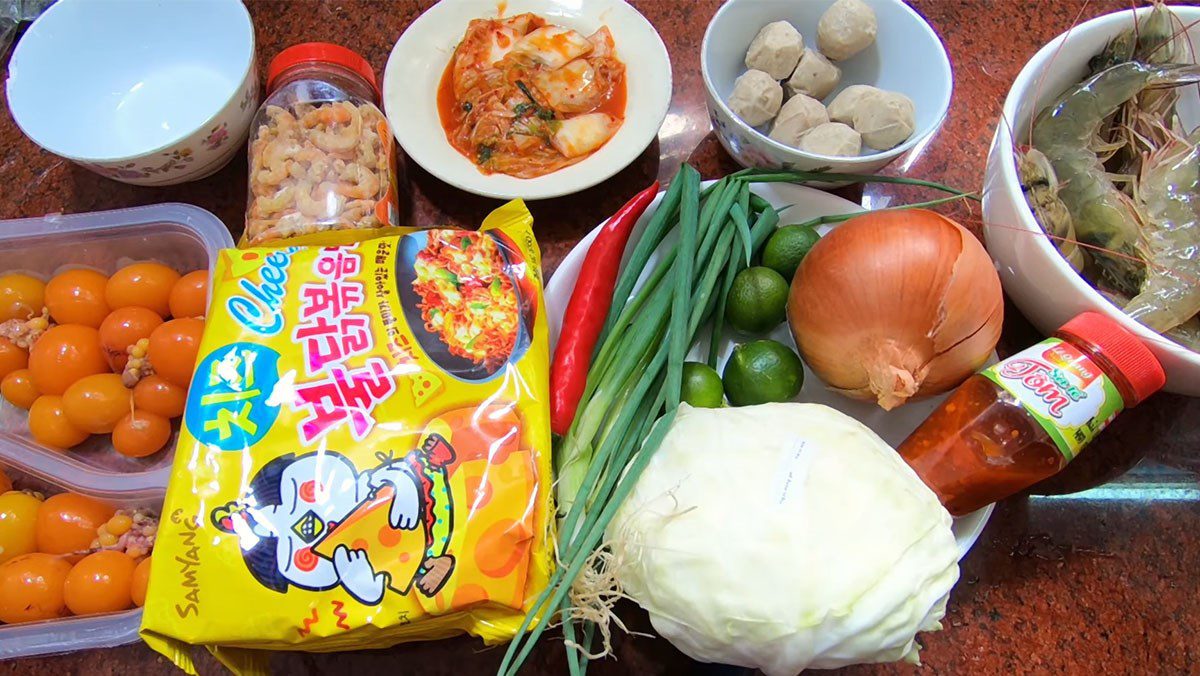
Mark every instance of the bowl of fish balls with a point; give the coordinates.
(839, 85)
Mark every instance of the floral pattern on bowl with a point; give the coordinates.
(217, 136)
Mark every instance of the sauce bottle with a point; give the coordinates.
(1022, 420)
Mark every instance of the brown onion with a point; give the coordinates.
(893, 305)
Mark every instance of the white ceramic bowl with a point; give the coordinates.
(147, 92)
(1035, 276)
(415, 68)
(907, 57)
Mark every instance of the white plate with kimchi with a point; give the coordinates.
(527, 98)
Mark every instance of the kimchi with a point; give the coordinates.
(524, 97)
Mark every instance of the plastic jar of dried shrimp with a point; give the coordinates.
(321, 152)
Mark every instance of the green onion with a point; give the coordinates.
(743, 229)
(766, 176)
(684, 263)
(649, 240)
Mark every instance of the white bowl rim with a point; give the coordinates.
(859, 159)
(539, 187)
(1010, 183)
(246, 70)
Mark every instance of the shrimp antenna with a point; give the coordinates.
(1037, 92)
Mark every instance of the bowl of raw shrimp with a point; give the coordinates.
(1119, 247)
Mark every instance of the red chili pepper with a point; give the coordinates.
(588, 309)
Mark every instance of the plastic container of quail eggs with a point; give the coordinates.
(181, 236)
(87, 632)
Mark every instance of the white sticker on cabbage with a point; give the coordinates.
(784, 537)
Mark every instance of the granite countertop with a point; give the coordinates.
(1089, 572)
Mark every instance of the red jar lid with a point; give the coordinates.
(320, 52)
(1126, 351)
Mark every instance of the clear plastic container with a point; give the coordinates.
(179, 235)
(69, 634)
(321, 152)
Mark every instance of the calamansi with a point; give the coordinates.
(757, 301)
(762, 371)
(702, 386)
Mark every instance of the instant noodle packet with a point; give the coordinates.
(364, 458)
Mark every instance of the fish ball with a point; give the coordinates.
(756, 97)
(831, 138)
(884, 121)
(841, 108)
(798, 115)
(775, 50)
(814, 75)
(845, 29)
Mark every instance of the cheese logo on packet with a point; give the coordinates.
(364, 457)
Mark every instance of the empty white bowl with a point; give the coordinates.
(142, 91)
(1041, 283)
(415, 67)
(907, 57)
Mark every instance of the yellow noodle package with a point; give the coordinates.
(364, 458)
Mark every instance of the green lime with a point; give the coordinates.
(702, 386)
(757, 300)
(787, 247)
(762, 371)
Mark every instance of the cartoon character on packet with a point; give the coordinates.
(314, 522)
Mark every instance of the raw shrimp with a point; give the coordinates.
(1040, 185)
(1168, 195)
(1186, 334)
(1151, 40)
(1103, 215)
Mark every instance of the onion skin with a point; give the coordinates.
(894, 305)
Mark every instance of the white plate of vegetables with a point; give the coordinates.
(797, 204)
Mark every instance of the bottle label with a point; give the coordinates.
(1063, 389)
